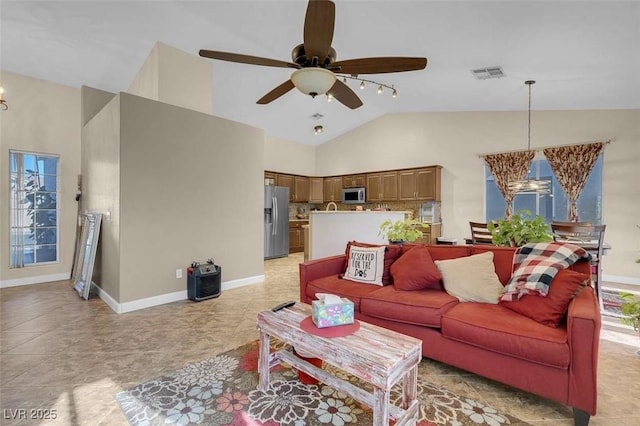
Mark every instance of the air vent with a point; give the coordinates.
(316, 116)
(489, 72)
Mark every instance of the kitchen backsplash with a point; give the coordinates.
(301, 208)
(304, 208)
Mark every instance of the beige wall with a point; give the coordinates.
(43, 117)
(284, 156)
(101, 189)
(175, 77)
(454, 140)
(191, 189)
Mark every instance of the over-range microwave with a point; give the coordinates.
(353, 195)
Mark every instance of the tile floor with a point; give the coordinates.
(59, 352)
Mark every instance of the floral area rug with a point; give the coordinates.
(223, 391)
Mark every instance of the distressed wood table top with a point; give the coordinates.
(376, 355)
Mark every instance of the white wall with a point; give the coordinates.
(175, 77)
(289, 157)
(455, 141)
(43, 117)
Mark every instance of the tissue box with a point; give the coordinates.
(324, 315)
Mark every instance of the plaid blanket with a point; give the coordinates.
(536, 264)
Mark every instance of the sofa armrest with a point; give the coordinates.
(583, 333)
(318, 268)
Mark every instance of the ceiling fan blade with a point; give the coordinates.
(318, 28)
(276, 93)
(246, 59)
(345, 95)
(378, 65)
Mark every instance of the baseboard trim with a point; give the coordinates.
(620, 279)
(35, 280)
(148, 302)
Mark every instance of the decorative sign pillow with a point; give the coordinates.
(365, 265)
(391, 254)
(551, 309)
(471, 278)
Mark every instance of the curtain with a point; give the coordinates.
(572, 165)
(508, 167)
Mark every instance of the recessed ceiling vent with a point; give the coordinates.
(316, 116)
(489, 72)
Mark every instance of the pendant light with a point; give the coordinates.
(530, 185)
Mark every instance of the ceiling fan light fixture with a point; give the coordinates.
(313, 81)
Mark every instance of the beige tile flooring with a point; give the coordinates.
(59, 352)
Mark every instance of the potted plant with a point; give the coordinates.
(519, 230)
(401, 231)
(630, 309)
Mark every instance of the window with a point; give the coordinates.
(552, 206)
(34, 208)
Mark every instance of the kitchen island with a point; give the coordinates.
(329, 231)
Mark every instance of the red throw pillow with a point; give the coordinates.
(415, 270)
(391, 254)
(550, 309)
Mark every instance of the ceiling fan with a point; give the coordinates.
(315, 61)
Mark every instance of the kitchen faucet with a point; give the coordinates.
(335, 206)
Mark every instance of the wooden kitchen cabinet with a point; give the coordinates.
(382, 186)
(333, 189)
(298, 187)
(288, 181)
(419, 184)
(354, 181)
(316, 190)
(296, 236)
(301, 189)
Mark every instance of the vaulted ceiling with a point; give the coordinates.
(583, 55)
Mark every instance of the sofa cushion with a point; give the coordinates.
(535, 265)
(471, 278)
(365, 264)
(502, 260)
(391, 254)
(443, 252)
(498, 329)
(421, 307)
(333, 284)
(415, 270)
(551, 309)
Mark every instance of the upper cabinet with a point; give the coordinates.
(301, 190)
(333, 189)
(382, 186)
(298, 187)
(419, 184)
(288, 181)
(354, 181)
(316, 189)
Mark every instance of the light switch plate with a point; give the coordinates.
(178, 273)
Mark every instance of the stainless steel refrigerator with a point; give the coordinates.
(276, 221)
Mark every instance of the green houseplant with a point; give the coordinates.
(521, 229)
(630, 309)
(401, 230)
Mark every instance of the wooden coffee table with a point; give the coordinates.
(373, 354)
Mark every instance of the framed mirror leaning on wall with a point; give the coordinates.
(86, 254)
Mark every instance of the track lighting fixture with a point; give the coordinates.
(381, 86)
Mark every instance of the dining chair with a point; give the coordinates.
(590, 238)
(480, 233)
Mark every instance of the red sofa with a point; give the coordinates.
(487, 339)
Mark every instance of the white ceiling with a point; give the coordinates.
(584, 55)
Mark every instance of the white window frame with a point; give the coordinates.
(17, 211)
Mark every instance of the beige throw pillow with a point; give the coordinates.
(365, 265)
(471, 278)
